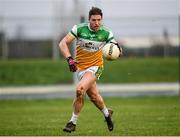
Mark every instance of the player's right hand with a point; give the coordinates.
(71, 63)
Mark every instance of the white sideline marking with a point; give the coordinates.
(145, 87)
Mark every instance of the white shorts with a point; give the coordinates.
(96, 70)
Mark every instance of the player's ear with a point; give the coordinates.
(89, 18)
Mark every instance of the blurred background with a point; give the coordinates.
(33, 28)
(30, 31)
(142, 87)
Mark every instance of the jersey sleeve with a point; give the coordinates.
(74, 31)
(110, 37)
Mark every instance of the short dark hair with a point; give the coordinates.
(95, 11)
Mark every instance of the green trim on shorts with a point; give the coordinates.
(99, 72)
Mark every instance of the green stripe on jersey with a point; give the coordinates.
(99, 72)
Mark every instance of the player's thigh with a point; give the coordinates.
(87, 81)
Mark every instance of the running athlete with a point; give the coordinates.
(90, 38)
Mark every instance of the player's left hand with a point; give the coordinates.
(120, 48)
(120, 51)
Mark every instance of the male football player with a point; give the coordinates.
(90, 38)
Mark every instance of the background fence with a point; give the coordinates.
(26, 37)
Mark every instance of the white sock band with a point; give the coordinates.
(105, 112)
(74, 118)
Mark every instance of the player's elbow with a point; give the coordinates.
(61, 44)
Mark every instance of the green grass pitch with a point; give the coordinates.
(124, 70)
(133, 116)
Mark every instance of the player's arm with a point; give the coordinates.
(65, 43)
(64, 48)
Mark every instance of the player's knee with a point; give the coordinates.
(79, 91)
